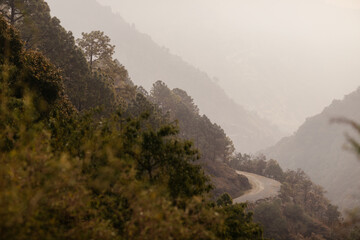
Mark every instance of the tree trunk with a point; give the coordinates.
(91, 61)
(12, 12)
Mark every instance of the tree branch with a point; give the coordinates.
(17, 19)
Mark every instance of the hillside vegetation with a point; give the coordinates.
(318, 148)
(300, 211)
(84, 153)
(87, 154)
(147, 62)
(108, 86)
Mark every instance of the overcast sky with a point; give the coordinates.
(285, 59)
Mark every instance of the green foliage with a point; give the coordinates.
(96, 45)
(215, 148)
(272, 219)
(274, 171)
(59, 46)
(70, 175)
(163, 156)
(239, 225)
(41, 32)
(224, 200)
(42, 77)
(257, 165)
(10, 46)
(210, 138)
(107, 86)
(13, 10)
(301, 210)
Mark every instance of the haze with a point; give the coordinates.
(284, 59)
(164, 119)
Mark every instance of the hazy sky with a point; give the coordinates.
(285, 59)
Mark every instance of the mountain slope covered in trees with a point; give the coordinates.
(257, 54)
(70, 174)
(85, 154)
(216, 149)
(300, 211)
(107, 85)
(318, 148)
(147, 62)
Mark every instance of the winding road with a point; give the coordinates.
(262, 188)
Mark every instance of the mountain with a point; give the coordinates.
(318, 147)
(66, 175)
(148, 62)
(264, 59)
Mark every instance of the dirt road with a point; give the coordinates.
(262, 187)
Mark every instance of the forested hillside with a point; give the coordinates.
(269, 60)
(85, 154)
(107, 85)
(301, 211)
(216, 149)
(147, 62)
(318, 148)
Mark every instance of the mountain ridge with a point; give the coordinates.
(319, 147)
(147, 62)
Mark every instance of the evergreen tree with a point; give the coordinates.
(70, 175)
(96, 45)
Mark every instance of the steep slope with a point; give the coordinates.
(267, 76)
(147, 62)
(99, 185)
(216, 149)
(318, 148)
(110, 86)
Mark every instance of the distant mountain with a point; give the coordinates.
(318, 147)
(265, 60)
(147, 62)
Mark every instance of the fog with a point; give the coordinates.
(284, 59)
(164, 119)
